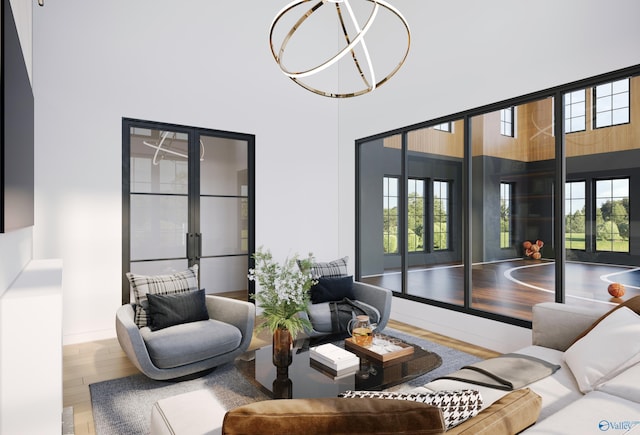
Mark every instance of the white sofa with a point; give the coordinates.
(613, 406)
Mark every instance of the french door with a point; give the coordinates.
(187, 200)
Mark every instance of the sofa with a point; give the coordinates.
(591, 392)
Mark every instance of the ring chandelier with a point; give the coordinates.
(368, 78)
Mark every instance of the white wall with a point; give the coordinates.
(208, 64)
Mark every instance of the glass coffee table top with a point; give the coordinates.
(305, 379)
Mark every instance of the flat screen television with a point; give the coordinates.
(16, 130)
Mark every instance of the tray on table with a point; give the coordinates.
(405, 350)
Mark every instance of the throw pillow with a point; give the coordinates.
(176, 308)
(607, 350)
(633, 304)
(332, 269)
(332, 289)
(456, 405)
(333, 416)
(160, 284)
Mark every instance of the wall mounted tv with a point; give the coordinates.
(16, 130)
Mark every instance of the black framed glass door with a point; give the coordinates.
(187, 200)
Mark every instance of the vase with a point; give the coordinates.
(282, 345)
(282, 385)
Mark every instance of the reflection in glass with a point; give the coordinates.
(575, 208)
(602, 172)
(380, 241)
(512, 197)
(158, 226)
(158, 161)
(224, 274)
(224, 222)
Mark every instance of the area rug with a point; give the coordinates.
(123, 406)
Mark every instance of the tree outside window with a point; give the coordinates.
(416, 215)
(390, 214)
(575, 223)
(612, 215)
(440, 215)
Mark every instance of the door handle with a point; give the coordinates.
(199, 245)
(189, 246)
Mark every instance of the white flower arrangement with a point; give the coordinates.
(284, 290)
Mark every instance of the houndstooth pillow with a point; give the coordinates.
(332, 269)
(456, 405)
(160, 285)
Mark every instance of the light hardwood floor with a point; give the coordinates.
(102, 360)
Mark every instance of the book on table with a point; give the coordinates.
(333, 374)
(334, 357)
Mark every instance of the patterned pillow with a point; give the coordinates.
(160, 285)
(332, 269)
(457, 406)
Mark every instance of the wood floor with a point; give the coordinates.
(102, 360)
(513, 287)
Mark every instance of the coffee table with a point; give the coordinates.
(304, 379)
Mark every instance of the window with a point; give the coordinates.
(506, 121)
(575, 219)
(390, 210)
(612, 215)
(440, 215)
(611, 103)
(505, 214)
(445, 126)
(416, 215)
(575, 111)
(486, 195)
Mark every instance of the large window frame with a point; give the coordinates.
(557, 252)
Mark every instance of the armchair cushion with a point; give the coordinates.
(332, 289)
(174, 309)
(160, 284)
(190, 342)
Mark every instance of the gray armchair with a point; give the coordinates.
(190, 348)
(374, 296)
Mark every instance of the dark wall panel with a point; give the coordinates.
(16, 131)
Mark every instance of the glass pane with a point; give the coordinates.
(620, 101)
(223, 166)
(159, 161)
(608, 160)
(380, 163)
(226, 274)
(620, 86)
(510, 279)
(158, 226)
(436, 272)
(224, 225)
